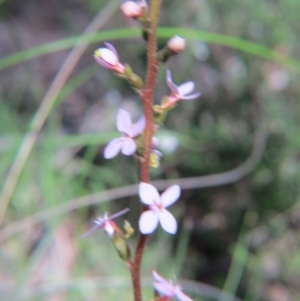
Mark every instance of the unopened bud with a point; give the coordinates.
(122, 248)
(134, 80)
(129, 230)
(154, 160)
(176, 44)
(108, 58)
(132, 9)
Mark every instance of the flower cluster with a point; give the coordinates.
(132, 142)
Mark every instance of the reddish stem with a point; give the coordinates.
(147, 97)
(135, 272)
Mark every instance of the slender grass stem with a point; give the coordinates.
(46, 106)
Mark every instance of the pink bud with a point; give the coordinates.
(176, 44)
(133, 9)
(108, 58)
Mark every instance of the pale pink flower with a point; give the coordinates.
(176, 44)
(126, 144)
(108, 58)
(133, 9)
(168, 289)
(157, 213)
(106, 223)
(179, 92)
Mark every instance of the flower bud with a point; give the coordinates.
(134, 80)
(122, 248)
(133, 9)
(129, 230)
(176, 44)
(109, 59)
(154, 160)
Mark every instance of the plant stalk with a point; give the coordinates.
(147, 98)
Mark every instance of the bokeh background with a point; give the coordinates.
(235, 150)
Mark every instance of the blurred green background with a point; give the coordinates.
(238, 227)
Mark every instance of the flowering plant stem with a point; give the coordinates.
(148, 90)
(147, 97)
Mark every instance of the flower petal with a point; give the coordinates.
(148, 222)
(186, 88)
(167, 221)
(159, 278)
(109, 228)
(157, 153)
(124, 123)
(192, 96)
(120, 213)
(112, 48)
(155, 142)
(170, 83)
(128, 146)
(96, 227)
(108, 56)
(138, 127)
(182, 297)
(113, 148)
(101, 62)
(170, 196)
(165, 289)
(148, 194)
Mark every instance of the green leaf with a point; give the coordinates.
(191, 34)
